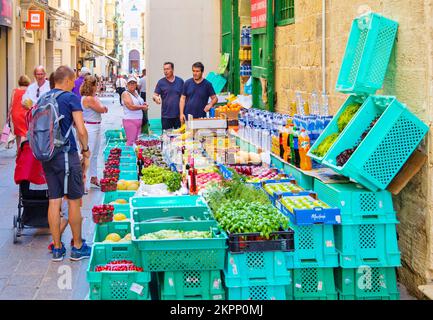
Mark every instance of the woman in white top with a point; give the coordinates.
(133, 106)
(92, 110)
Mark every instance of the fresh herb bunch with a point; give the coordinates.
(155, 175)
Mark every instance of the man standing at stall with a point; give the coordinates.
(37, 88)
(169, 90)
(196, 94)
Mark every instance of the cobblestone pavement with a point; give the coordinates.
(26, 269)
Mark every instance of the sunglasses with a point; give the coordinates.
(38, 92)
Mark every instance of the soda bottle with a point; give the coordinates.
(304, 147)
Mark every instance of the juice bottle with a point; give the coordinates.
(291, 143)
(285, 144)
(304, 147)
(296, 160)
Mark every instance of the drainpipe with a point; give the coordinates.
(324, 46)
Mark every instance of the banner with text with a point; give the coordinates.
(6, 13)
(258, 13)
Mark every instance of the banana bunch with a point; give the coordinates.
(181, 129)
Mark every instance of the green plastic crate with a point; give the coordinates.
(122, 228)
(367, 54)
(386, 148)
(270, 267)
(314, 247)
(257, 291)
(116, 195)
(126, 151)
(218, 81)
(128, 159)
(181, 254)
(155, 123)
(115, 143)
(374, 245)
(357, 204)
(128, 167)
(115, 134)
(128, 175)
(188, 207)
(332, 127)
(367, 283)
(314, 284)
(116, 285)
(191, 285)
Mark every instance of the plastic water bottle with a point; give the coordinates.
(325, 105)
(249, 35)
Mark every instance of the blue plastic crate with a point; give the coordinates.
(305, 217)
(332, 127)
(374, 245)
(191, 285)
(273, 196)
(314, 248)
(367, 54)
(257, 290)
(314, 284)
(357, 204)
(386, 148)
(367, 283)
(269, 267)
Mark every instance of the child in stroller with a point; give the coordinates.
(33, 194)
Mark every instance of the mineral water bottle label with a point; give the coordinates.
(320, 286)
(171, 282)
(329, 244)
(136, 288)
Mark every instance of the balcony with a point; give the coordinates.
(75, 23)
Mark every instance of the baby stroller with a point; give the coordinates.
(33, 193)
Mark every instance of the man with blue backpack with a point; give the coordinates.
(53, 143)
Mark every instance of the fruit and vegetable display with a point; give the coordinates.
(343, 157)
(243, 157)
(272, 188)
(148, 143)
(147, 162)
(112, 164)
(119, 217)
(127, 185)
(102, 213)
(342, 123)
(152, 156)
(119, 266)
(256, 174)
(116, 151)
(156, 175)
(111, 173)
(204, 179)
(116, 238)
(108, 184)
(302, 203)
(119, 201)
(176, 235)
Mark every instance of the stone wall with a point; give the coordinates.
(299, 67)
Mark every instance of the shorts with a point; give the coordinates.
(170, 123)
(55, 176)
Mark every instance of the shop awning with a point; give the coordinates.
(89, 42)
(112, 59)
(97, 51)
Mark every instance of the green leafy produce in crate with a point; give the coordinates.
(156, 175)
(176, 234)
(326, 144)
(347, 115)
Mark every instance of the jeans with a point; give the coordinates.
(132, 130)
(94, 132)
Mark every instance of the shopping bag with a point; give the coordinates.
(5, 133)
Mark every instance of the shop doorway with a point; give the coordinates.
(30, 59)
(134, 61)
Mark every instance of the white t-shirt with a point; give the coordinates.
(142, 84)
(32, 92)
(121, 83)
(130, 114)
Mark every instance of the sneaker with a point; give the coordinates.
(58, 254)
(95, 184)
(51, 246)
(80, 254)
(72, 241)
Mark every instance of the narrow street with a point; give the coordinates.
(26, 269)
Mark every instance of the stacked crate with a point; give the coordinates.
(185, 269)
(366, 241)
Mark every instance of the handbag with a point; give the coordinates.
(5, 133)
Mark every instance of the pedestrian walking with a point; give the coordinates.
(69, 107)
(133, 106)
(17, 112)
(195, 95)
(37, 88)
(120, 86)
(92, 115)
(168, 91)
(79, 81)
(142, 90)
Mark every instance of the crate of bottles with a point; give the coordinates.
(306, 210)
(314, 247)
(314, 284)
(367, 55)
(191, 285)
(374, 245)
(130, 284)
(357, 204)
(376, 143)
(367, 283)
(270, 267)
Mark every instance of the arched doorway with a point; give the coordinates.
(134, 61)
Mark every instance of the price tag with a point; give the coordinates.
(235, 269)
(136, 288)
(343, 203)
(217, 283)
(338, 219)
(171, 282)
(329, 244)
(218, 297)
(299, 286)
(320, 286)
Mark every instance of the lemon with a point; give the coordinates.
(113, 237)
(121, 201)
(127, 237)
(119, 217)
(121, 186)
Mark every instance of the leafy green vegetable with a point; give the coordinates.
(155, 175)
(176, 234)
(347, 115)
(325, 145)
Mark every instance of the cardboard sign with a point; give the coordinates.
(36, 20)
(259, 10)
